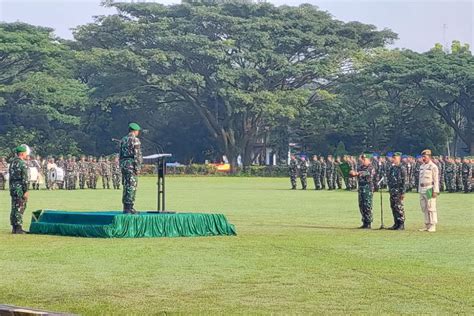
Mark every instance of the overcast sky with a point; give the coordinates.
(419, 23)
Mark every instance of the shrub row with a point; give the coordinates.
(209, 170)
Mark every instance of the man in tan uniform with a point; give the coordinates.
(429, 190)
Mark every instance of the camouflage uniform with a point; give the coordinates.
(303, 168)
(366, 189)
(466, 176)
(71, 170)
(449, 174)
(323, 173)
(459, 182)
(441, 166)
(105, 173)
(397, 184)
(337, 174)
(93, 173)
(130, 164)
(116, 174)
(293, 171)
(315, 171)
(3, 173)
(416, 177)
(83, 171)
(18, 187)
(330, 174)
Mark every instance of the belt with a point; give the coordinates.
(423, 185)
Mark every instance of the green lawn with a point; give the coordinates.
(296, 252)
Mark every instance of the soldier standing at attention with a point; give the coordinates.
(323, 172)
(459, 183)
(130, 165)
(116, 173)
(365, 176)
(397, 185)
(330, 169)
(429, 190)
(303, 173)
(18, 189)
(3, 172)
(105, 172)
(93, 172)
(82, 167)
(293, 170)
(315, 171)
(466, 174)
(449, 174)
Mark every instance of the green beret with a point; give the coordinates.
(20, 149)
(397, 153)
(366, 155)
(134, 127)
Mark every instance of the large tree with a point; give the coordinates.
(40, 102)
(240, 67)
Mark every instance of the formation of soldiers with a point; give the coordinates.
(69, 173)
(455, 174)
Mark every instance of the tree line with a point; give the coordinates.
(212, 79)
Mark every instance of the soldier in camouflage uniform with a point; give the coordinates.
(116, 173)
(93, 173)
(330, 173)
(130, 164)
(83, 171)
(397, 183)
(315, 172)
(466, 174)
(18, 189)
(3, 172)
(293, 171)
(303, 169)
(408, 168)
(71, 171)
(365, 176)
(459, 183)
(417, 171)
(353, 181)
(323, 172)
(105, 172)
(337, 173)
(449, 174)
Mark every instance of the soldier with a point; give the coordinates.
(104, 172)
(449, 174)
(330, 173)
(323, 172)
(459, 183)
(18, 189)
(293, 171)
(429, 190)
(3, 172)
(466, 174)
(365, 176)
(347, 182)
(377, 170)
(90, 160)
(337, 173)
(397, 182)
(303, 168)
(352, 180)
(315, 171)
(116, 174)
(130, 165)
(71, 170)
(34, 163)
(83, 171)
(408, 168)
(93, 173)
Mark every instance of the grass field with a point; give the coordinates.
(296, 252)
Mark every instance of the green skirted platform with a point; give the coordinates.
(114, 224)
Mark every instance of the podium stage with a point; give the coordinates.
(115, 224)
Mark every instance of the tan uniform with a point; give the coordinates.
(429, 179)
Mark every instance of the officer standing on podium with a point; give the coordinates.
(130, 165)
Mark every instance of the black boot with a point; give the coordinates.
(401, 226)
(19, 230)
(395, 226)
(14, 229)
(365, 226)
